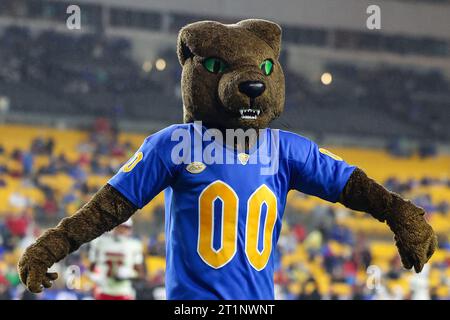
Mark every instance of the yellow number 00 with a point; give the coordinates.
(219, 190)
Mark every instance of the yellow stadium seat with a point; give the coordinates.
(155, 264)
(341, 289)
(443, 292)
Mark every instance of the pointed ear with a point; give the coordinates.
(183, 50)
(268, 31)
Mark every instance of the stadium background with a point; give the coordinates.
(75, 104)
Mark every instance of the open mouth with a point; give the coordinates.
(249, 114)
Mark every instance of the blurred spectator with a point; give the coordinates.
(310, 291)
(427, 150)
(4, 289)
(27, 163)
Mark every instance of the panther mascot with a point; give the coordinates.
(223, 218)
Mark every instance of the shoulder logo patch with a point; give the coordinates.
(195, 167)
(243, 158)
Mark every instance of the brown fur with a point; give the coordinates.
(106, 210)
(414, 237)
(215, 98)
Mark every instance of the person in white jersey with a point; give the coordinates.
(116, 260)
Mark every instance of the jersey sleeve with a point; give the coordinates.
(319, 172)
(146, 174)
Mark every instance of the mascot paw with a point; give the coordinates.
(414, 237)
(33, 272)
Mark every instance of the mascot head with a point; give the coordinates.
(231, 75)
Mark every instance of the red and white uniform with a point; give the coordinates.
(115, 259)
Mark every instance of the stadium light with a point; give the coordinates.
(160, 64)
(326, 78)
(4, 104)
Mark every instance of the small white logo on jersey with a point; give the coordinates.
(195, 167)
(243, 158)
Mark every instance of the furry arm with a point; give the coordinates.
(414, 237)
(106, 210)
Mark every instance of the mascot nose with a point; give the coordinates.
(252, 89)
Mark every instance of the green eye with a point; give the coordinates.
(215, 65)
(266, 66)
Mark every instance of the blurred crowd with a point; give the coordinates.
(95, 74)
(324, 251)
(318, 256)
(52, 72)
(323, 259)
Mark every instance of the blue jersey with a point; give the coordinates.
(224, 209)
